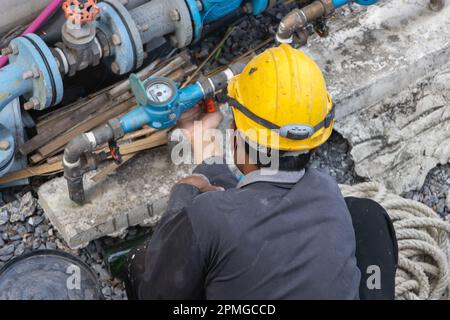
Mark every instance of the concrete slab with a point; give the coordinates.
(397, 142)
(135, 195)
(370, 55)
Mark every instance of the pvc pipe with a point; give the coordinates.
(37, 23)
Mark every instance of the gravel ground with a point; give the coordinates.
(435, 192)
(23, 226)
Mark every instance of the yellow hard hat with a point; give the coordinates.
(282, 91)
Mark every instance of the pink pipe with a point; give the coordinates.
(37, 23)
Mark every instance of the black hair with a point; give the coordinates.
(285, 163)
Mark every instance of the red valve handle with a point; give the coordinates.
(78, 12)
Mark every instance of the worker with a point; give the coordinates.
(265, 233)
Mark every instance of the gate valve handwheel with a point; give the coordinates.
(77, 11)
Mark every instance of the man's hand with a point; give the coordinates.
(197, 128)
(201, 183)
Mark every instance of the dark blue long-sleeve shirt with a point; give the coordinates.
(283, 236)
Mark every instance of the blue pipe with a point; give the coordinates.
(214, 10)
(134, 120)
(11, 84)
(190, 96)
(259, 6)
(340, 3)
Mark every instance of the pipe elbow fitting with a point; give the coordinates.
(75, 148)
(87, 142)
(294, 20)
(299, 18)
(74, 167)
(73, 171)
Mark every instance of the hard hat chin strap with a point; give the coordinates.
(290, 131)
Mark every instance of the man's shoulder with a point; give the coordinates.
(320, 178)
(211, 202)
(213, 209)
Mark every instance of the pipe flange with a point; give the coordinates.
(132, 29)
(116, 20)
(197, 23)
(184, 32)
(46, 86)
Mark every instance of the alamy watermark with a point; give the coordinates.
(218, 147)
(73, 281)
(373, 281)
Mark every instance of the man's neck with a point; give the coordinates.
(247, 168)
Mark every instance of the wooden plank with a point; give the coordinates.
(112, 167)
(62, 140)
(155, 140)
(38, 158)
(61, 112)
(64, 124)
(31, 172)
(138, 134)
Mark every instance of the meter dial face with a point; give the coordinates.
(160, 92)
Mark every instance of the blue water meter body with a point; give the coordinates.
(160, 103)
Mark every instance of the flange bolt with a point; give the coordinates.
(33, 103)
(115, 38)
(31, 74)
(4, 145)
(175, 15)
(115, 68)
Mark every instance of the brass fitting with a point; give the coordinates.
(299, 18)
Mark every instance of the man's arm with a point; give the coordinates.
(217, 172)
(171, 265)
(185, 191)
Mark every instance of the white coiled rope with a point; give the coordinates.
(423, 242)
